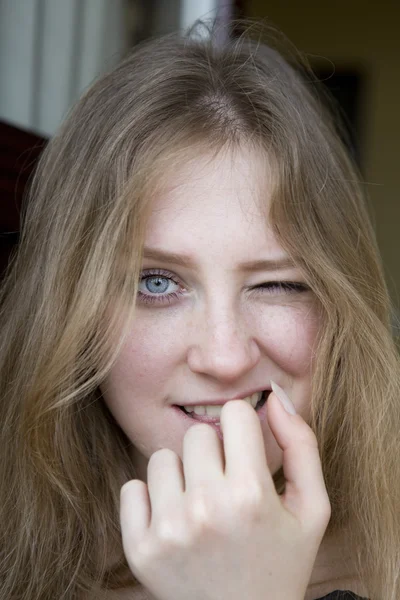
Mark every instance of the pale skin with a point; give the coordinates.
(217, 338)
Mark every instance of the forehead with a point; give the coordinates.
(215, 203)
(236, 182)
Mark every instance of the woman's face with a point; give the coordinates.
(207, 327)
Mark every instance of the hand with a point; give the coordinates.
(204, 530)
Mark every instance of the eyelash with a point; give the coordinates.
(289, 287)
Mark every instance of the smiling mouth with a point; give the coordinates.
(259, 405)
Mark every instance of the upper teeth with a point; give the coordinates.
(215, 411)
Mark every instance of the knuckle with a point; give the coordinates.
(169, 533)
(143, 555)
(161, 458)
(319, 517)
(325, 512)
(199, 429)
(249, 496)
(161, 454)
(202, 510)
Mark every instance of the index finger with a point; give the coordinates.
(244, 443)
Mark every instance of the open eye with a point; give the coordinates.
(154, 285)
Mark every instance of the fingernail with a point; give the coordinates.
(287, 404)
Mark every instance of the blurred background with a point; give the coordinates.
(51, 50)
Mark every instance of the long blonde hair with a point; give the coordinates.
(63, 458)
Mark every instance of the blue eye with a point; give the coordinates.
(157, 282)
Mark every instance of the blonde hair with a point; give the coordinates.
(76, 271)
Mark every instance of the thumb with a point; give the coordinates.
(305, 491)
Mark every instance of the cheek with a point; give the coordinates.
(287, 335)
(147, 356)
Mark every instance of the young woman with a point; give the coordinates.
(196, 235)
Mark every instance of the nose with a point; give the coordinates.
(222, 346)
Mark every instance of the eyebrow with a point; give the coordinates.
(186, 261)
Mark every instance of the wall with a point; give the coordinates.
(363, 34)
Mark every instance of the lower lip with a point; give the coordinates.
(212, 421)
